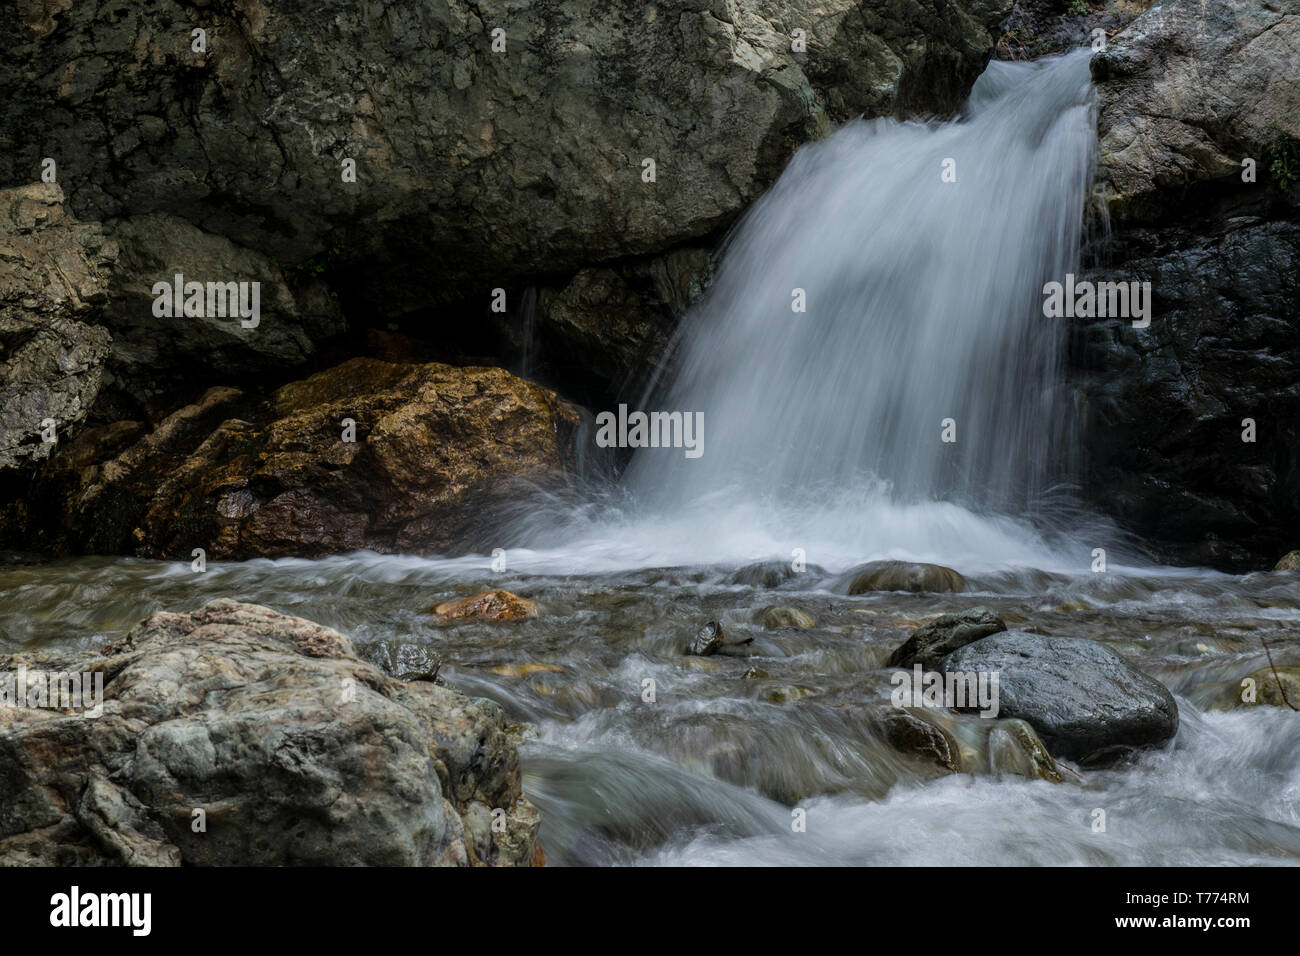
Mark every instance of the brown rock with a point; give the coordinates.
(904, 576)
(439, 454)
(488, 606)
(1289, 562)
(775, 617)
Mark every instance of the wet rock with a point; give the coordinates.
(1289, 562)
(1187, 91)
(1165, 405)
(1014, 748)
(931, 643)
(772, 574)
(405, 661)
(470, 162)
(972, 745)
(707, 640)
(1082, 698)
(754, 673)
(95, 491)
(914, 735)
(1186, 94)
(785, 693)
(524, 670)
(54, 275)
(1280, 689)
(774, 617)
(297, 752)
(903, 576)
(439, 456)
(1039, 28)
(489, 606)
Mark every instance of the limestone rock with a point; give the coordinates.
(1188, 90)
(472, 164)
(53, 283)
(296, 753)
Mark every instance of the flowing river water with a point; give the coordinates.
(822, 445)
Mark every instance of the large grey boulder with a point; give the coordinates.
(1084, 700)
(53, 284)
(473, 164)
(294, 751)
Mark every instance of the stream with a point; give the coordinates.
(823, 449)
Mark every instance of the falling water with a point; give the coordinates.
(923, 310)
(823, 433)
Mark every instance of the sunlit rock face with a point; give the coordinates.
(369, 454)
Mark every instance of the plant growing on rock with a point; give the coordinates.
(312, 267)
(1285, 159)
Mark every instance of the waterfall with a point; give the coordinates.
(885, 295)
(920, 253)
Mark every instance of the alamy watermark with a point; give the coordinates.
(651, 430)
(954, 689)
(53, 690)
(213, 300)
(75, 909)
(1087, 300)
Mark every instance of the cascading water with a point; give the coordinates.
(923, 303)
(823, 433)
(919, 253)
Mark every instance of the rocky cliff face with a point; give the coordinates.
(428, 153)
(481, 132)
(414, 166)
(1194, 422)
(53, 285)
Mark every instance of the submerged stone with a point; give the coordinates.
(904, 576)
(772, 574)
(707, 640)
(970, 745)
(489, 606)
(774, 617)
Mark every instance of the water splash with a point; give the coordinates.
(823, 428)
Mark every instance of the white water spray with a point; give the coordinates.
(919, 252)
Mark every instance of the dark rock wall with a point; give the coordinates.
(1187, 92)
